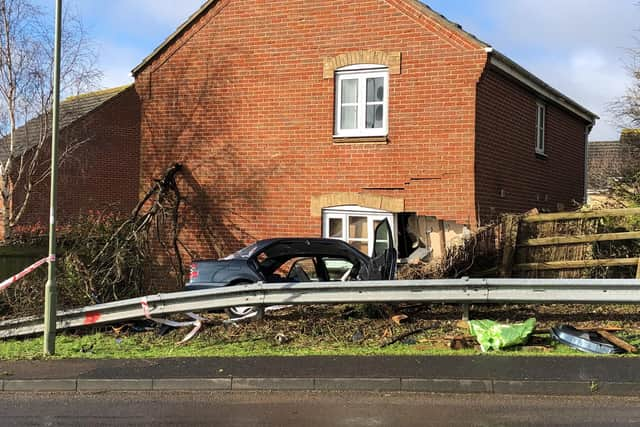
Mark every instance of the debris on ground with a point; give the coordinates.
(496, 336)
(617, 341)
(399, 319)
(281, 338)
(461, 342)
(402, 337)
(585, 341)
(315, 328)
(357, 337)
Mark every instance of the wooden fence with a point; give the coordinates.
(569, 248)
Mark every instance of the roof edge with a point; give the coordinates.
(115, 90)
(424, 8)
(451, 25)
(194, 16)
(513, 69)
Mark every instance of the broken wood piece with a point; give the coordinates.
(399, 318)
(617, 341)
(402, 336)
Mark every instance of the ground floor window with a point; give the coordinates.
(355, 225)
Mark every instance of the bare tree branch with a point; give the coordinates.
(26, 92)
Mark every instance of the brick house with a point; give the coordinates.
(101, 173)
(609, 160)
(297, 117)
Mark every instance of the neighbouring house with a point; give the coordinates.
(608, 161)
(100, 131)
(321, 118)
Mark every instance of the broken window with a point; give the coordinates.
(355, 225)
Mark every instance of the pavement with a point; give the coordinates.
(576, 376)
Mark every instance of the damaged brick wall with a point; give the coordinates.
(240, 99)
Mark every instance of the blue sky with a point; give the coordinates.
(577, 46)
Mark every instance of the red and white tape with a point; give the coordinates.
(11, 280)
(196, 323)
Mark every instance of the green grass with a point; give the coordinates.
(329, 331)
(148, 346)
(106, 346)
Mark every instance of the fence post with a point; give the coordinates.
(511, 226)
(638, 270)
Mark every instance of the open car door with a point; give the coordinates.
(385, 255)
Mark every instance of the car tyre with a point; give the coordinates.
(241, 311)
(245, 310)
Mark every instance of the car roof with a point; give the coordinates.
(300, 246)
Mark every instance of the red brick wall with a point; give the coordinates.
(505, 151)
(101, 175)
(240, 99)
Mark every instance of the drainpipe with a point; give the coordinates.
(587, 131)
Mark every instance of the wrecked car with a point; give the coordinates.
(287, 260)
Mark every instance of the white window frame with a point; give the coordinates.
(344, 212)
(541, 117)
(361, 72)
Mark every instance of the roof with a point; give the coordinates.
(71, 109)
(498, 59)
(608, 160)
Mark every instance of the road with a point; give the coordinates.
(312, 409)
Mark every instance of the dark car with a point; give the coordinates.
(297, 260)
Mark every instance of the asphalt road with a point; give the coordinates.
(312, 409)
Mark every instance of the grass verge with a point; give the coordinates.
(326, 331)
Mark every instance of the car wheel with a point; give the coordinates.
(248, 311)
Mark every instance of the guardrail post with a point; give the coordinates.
(465, 312)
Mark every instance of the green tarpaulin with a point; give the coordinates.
(495, 336)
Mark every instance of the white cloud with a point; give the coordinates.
(591, 80)
(577, 46)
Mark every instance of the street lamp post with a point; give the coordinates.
(51, 289)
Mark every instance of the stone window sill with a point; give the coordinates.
(361, 140)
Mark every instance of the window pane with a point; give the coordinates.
(349, 118)
(358, 227)
(335, 228)
(382, 238)
(350, 91)
(375, 89)
(375, 113)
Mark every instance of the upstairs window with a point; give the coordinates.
(362, 106)
(540, 127)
